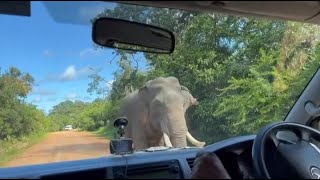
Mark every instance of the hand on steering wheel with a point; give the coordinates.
(303, 157)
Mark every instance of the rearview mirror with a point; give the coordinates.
(128, 35)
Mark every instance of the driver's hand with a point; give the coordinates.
(208, 166)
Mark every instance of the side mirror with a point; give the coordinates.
(134, 36)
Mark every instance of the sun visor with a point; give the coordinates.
(302, 11)
(287, 10)
(19, 8)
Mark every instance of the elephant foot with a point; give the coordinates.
(200, 144)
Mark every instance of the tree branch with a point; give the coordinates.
(113, 57)
(137, 63)
(110, 85)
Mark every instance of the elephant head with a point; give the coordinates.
(166, 103)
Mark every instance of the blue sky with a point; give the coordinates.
(58, 55)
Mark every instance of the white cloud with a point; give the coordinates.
(89, 52)
(51, 99)
(87, 98)
(42, 95)
(109, 83)
(48, 53)
(43, 92)
(72, 73)
(69, 74)
(71, 96)
(74, 96)
(85, 71)
(37, 99)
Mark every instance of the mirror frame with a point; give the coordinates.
(140, 24)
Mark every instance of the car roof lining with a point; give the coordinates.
(301, 11)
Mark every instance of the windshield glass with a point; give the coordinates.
(60, 92)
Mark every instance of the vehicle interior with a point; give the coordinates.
(285, 149)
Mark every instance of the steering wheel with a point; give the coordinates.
(302, 156)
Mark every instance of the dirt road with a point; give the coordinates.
(63, 146)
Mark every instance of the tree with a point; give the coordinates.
(17, 118)
(245, 72)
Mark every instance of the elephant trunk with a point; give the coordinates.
(177, 128)
(179, 139)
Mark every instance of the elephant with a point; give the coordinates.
(156, 114)
(189, 100)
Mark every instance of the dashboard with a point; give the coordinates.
(175, 163)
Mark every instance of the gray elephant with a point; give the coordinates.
(156, 114)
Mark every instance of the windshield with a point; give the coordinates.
(60, 92)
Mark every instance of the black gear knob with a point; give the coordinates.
(121, 121)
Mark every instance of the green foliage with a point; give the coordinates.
(21, 124)
(245, 72)
(106, 132)
(83, 116)
(251, 98)
(17, 118)
(13, 147)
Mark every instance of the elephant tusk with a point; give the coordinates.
(167, 141)
(194, 141)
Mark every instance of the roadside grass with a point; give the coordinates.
(12, 148)
(105, 132)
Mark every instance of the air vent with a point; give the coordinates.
(190, 162)
(86, 174)
(156, 170)
(147, 169)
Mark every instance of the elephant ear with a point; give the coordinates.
(194, 101)
(189, 97)
(185, 88)
(143, 93)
